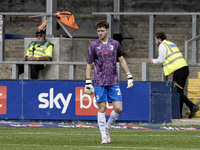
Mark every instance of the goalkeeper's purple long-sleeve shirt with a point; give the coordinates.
(104, 56)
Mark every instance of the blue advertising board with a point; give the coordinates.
(49, 100)
(63, 100)
(10, 99)
(156, 102)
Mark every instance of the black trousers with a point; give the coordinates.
(180, 77)
(34, 70)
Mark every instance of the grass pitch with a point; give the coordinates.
(36, 138)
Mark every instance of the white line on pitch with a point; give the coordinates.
(123, 147)
(106, 146)
(55, 133)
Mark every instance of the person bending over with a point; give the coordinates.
(174, 63)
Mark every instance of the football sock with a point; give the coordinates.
(113, 117)
(102, 124)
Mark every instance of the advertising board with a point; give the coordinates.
(65, 100)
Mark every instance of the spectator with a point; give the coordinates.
(40, 50)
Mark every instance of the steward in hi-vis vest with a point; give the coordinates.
(173, 63)
(43, 49)
(174, 58)
(39, 50)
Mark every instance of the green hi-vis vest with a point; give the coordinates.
(39, 49)
(174, 59)
(43, 49)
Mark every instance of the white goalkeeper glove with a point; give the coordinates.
(130, 81)
(89, 89)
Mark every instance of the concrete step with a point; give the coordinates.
(186, 121)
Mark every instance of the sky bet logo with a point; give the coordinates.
(49, 100)
(3, 99)
(86, 104)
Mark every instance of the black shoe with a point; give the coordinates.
(193, 110)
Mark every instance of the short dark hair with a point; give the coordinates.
(102, 24)
(161, 35)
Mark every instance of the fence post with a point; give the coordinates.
(151, 35)
(26, 71)
(145, 71)
(51, 7)
(71, 72)
(110, 22)
(194, 34)
(15, 71)
(2, 36)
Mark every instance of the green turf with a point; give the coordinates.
(33, 138)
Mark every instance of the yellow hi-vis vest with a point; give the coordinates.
(44, 49)
(174, 59)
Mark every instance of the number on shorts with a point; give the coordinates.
(97, 97)
(119, 92)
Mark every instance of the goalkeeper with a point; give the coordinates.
(105, 52)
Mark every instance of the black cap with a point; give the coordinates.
(40, 32)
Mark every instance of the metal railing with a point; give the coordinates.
(27, 64)
(146, 74)
(15, 74)
(152, 19)
(110, 16)
(194, 54)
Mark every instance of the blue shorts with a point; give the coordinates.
(107, 93)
